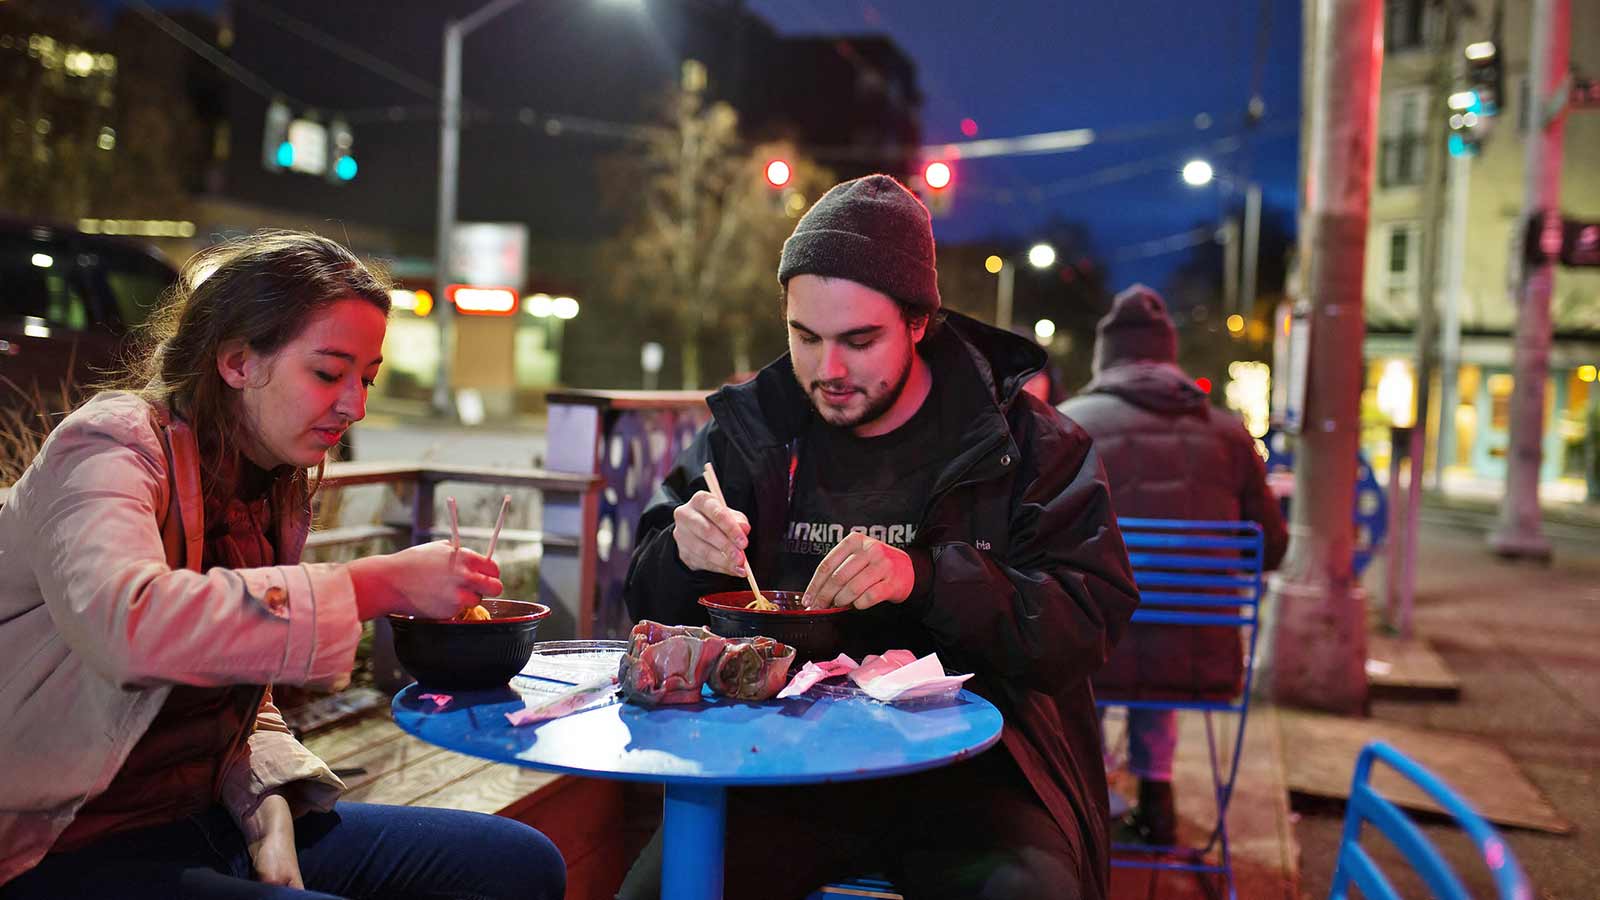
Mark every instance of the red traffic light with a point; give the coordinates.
(778, 173)
(937, 175)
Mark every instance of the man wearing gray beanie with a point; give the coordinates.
(892, 462)
(1169, 454)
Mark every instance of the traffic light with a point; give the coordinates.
(341, 158)
(1466, 123)
(1485, 75)
(277, 153)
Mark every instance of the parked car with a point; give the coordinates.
(68, 304)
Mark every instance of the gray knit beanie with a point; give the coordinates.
(1137, 328)
(871, 231)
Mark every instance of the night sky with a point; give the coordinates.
(1137, 72)
(1124, 69)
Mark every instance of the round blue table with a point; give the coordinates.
(697, 751)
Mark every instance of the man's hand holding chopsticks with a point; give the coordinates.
(860, 571)
(710, 536)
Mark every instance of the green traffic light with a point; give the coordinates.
(345, 168)
(285, 154)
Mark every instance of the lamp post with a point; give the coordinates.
(449, 159)
(1040, 256)
(1239, 279)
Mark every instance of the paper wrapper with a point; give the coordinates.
(752, 670)
(566, 702)
(811, 673)
(667, 664)
(877, 666)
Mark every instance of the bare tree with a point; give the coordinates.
(704, 228)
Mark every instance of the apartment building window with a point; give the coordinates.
(1409, 25)
(1402, 139)
(1404, 265)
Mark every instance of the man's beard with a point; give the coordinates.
(876, 405)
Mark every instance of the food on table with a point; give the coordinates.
(667, 663)
(752, 670)
(474, 613)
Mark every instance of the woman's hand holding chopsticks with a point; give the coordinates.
(430, 581)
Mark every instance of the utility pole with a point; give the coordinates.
(1455, 260)
(1403, 540)
(1319, 637)
(449, 163)
(1519, 533)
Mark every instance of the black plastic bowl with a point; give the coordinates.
(815, 634)
(447, 655)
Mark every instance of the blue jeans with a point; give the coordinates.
(1152, 741)
(357, 850)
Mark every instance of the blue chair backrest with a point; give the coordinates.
(1355, 866)
(1197, 572)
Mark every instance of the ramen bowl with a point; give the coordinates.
(452, 655)
(815, 634)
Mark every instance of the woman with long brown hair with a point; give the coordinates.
(151, 591)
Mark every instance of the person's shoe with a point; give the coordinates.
(1156, 817)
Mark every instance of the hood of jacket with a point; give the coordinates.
(1161, 387)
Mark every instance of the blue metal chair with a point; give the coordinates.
(1196, 574)
(1366, 805)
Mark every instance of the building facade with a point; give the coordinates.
(1412, 122)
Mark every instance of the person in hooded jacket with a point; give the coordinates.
(1169, 454)
(892, 462)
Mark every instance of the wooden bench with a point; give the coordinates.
(598, 825)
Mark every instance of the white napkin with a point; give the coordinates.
(922, 678)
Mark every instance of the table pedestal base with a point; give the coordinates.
(692, 820)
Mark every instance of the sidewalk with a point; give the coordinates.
(1524, 640)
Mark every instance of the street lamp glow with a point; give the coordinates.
(1044, 330)
(778, 173)
(564, 308)
(539, 305)
(1480, 50)
(1235, 323)
(1197, 172)
(937, 175)
(1041, 256)
(993, 265)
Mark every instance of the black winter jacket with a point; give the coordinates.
(1032, 614)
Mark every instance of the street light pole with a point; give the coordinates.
(449, 163)
(1040, 256)
(1252, 243)
(1003, 294)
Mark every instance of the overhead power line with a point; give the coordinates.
(342, 49)
(207, 52)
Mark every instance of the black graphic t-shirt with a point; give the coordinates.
(877, 485)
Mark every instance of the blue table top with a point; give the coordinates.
(802, 740)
